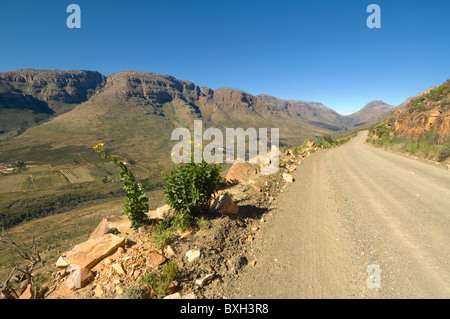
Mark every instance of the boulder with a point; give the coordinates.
(89, 253)
(103, 228)
(224, 205)
(123, 226)
(79, 278)
(160, 213)
(241, 172)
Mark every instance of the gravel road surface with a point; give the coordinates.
(351, 208)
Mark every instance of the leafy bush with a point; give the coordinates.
(136, 206)
(190, 188)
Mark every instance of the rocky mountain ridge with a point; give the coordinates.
(42, 94)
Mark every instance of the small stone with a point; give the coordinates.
(61, 263)
(173, 296)
(204, 280)
(119, 269)
(288, 177)
(79, 277)
(192, 254)
(169, 252)
(190, 295)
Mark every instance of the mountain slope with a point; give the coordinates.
(421, 127)
(427, 113)
(135, 112)
(28, 97)
(372, 112)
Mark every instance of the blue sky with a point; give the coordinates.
(319, 50)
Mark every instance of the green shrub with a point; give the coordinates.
(203, 223)
(160, 282)
(190, 187)
(135, 291)
(162, 234)
(136, 206)
(444, 154)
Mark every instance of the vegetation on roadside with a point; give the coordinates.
(136, 206)
(324, 142)
(189, 190)
(439, 94)
(428, 145)
(160, 281)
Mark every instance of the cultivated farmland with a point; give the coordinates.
(15, 183)
(77, 175)
(49, 179)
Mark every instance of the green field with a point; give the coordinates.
(48, 179)
(16, 183)
(77, 175)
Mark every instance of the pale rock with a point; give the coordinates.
(160, 213)
(119, 269)
(204, 280)
(192, 255)
(224, 205)
(169, 251)
(288, 177)
(79, 277)
(91, 252)
(61, 263)
(190, 295)
(173, 296)
(104, 227)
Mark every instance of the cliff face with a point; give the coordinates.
(54, 85)
(154, 90)
(428, 113)
(29, 97)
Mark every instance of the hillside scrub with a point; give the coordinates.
(427, 146)
(189, 190)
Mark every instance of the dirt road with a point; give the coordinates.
(349, 208)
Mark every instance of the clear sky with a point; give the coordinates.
(319, 50)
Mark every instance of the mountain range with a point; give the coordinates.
(43, 112)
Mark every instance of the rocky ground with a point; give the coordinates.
(114, 261)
